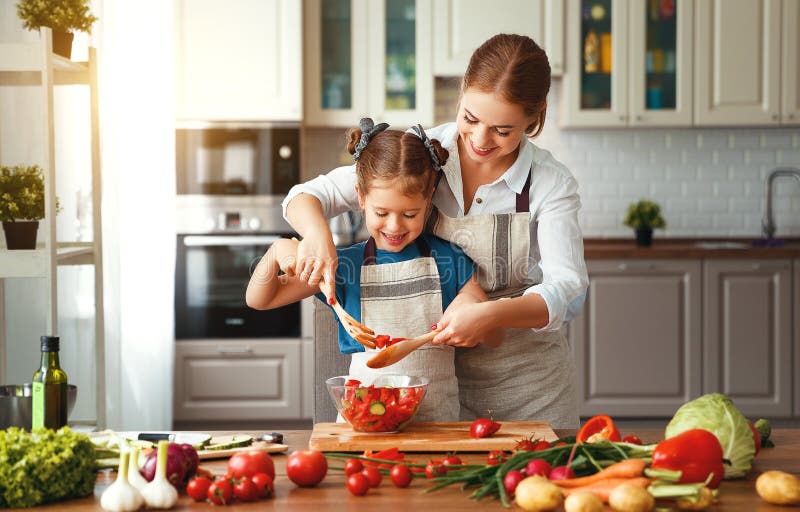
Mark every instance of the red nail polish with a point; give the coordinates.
(434, 326)
(332, 301)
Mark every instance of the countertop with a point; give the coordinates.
(688, 248)
(331, 494)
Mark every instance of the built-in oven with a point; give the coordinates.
(219, 243)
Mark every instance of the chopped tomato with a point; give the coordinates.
(383, 409)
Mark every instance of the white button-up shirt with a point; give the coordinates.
(558, 269)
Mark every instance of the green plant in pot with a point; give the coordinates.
(63, 16)
(21, 204)
(644, 216)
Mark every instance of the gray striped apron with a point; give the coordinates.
(531, 376)
(403, 300)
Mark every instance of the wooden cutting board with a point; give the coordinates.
(426, 437)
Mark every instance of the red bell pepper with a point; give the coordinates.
(598, 428)
(696, 453)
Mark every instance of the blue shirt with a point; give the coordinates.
(455, 269)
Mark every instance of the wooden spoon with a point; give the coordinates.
(393, 353)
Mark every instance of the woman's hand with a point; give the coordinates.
(464, 324)
(317, 261)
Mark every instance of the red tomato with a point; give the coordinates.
(306, 468)
(220, 491)
(452, 460)
(381, 340)
(483, 427)
(632, 439)
(401, 476)
(245, 490)
(496, 457)
(352, 382)
(526, 444)
(197, 488)
(247, 464)
(264, 485)
(435, 468)
(357, 484)
(373, 475)
(598, 428)
(353, 466)
(541, 445)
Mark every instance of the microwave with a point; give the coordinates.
(237, 160)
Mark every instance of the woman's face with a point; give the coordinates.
(489, 128)
(392, 218)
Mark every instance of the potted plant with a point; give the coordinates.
(62, 16)
(21, 204)
(643, 217)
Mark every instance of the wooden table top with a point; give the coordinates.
(331, 494)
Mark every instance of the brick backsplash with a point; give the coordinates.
(709, 181)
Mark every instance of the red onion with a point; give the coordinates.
(176, 465)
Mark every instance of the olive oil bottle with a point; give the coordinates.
(49, 388)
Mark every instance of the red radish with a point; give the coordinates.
(561, 473)
(538, 467)
(511, 480)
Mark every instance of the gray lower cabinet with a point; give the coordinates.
(637, 341)
(796, 322)
(747, 334)
(238, 380)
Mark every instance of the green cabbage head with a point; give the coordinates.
(716, 413)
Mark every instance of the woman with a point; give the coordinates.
(513, 209)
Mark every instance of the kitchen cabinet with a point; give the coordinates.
(737, 72)
(637, 342)
(238, 380)
(239, 60)
(796, 335)
(54, 77)
(458, 31)
(368, 58)
(628, 63)
(790, 52)
(747, 334)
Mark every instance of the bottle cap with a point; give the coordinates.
(50, 343)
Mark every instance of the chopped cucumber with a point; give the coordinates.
(360, 392)
(377, 408)
(227, 442)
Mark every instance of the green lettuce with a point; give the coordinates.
(716, 413)
(44, 466)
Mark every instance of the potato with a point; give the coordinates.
(778, 488)
(631, 498)
(538, 494)
(706, 500)
(583, 501)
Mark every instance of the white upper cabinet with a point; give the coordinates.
(628, 63)
(790, 110)
(737, 74)
(368, 58)
(460, 26)
(239, 60)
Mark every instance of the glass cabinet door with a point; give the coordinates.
(400, 64)
(336, 87)
(596, 64)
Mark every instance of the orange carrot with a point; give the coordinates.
(602, 489)
(628, 468)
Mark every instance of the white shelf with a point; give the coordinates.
(78, 253)
(33, 262)
(20, 64)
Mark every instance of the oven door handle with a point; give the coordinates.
(220, 240)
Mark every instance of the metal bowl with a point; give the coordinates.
(16, 404)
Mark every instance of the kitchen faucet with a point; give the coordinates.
(767, 224)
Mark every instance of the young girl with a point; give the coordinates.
(513, 208)
(400, 281)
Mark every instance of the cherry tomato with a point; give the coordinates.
(451, 460)
(306, 468)
(357, 484)
(400, 475)
(632, 439)
(496, 457)
(373, 475)
(526, 444)
(483, 427)
(220, 491)
(197, 488)
(247, 464)
(264, 484)
(245, 490)
(435, 468)
(352, 382)
(353, 466)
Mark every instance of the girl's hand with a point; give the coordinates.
(317, 261)
(464, 324)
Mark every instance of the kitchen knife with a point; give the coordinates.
(195, 439)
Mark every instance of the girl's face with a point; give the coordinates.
(489, 128)
(392, 218)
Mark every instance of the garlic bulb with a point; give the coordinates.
(160, 493)
(121, 496)
(135, 478)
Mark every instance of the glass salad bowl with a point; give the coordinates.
(386, 405)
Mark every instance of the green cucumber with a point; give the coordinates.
(377, 408)
(360, 392)
(228, 442)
